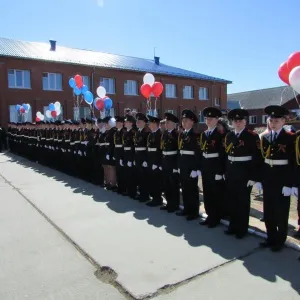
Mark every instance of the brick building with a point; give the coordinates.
(255, 102)
(38, 74)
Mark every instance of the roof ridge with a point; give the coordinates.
(276, 87)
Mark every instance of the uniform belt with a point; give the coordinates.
(67, 141)
(210, 155)
(152, 149)
(239, 158)
(98, 144)
(185, 152)
(47, 139)
(102, 144)
(72, 144)
(127, 148)
(59, 140)
(42, 139)
(55, 140)
(169, 152)
(77, 142)
(140, 148)
(118, 146)
(276, 162)
(85, 142)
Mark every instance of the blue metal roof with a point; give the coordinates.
(41, 51)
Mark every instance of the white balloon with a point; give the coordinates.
(48, 114)
(294, 79)
(29, 106)
(149, 79)
(42, 117)
(58, 111)
(101, 91)
(57, 105)
(38, 113)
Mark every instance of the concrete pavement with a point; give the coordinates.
(147, 252)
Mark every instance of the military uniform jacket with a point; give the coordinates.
(109, 142)
(213, 152)
(280, 151)
(128, 144)
(118, 141)
(169, 145)
(189, 152)
(154, 149)
(243, 156)
(140, 144)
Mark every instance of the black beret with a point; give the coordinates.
(153, 119)
(212, 112)
(142, 117)
(238, 114)
(276, 111)
(129, 118)
(119, 119)
(171, 117)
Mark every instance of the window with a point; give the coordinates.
(264, 119)
(52, 82)
(217, 101)
(82, 112)
(60, 117)
(172, 111)
(170, 90)
(152, 112)
(86, 81)
(19, 79)
(201, 117)
(109, 84)
(203, 93)
(15, 116)
(130, 87)
(252, 120)
(188, 92)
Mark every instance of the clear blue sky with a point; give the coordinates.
(240, 40)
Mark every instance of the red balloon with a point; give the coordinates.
(146, 90)
(37, 119)
(100, 104)
(293, 61)
(78, 80)
(284, 72)
(157, 89)
(22, 110)
(53, 114)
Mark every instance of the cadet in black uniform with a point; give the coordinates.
(278, 152)
(119, 154)
(189, 166)
(154, 160)
(242, 171)
(212, 167)
(170, 164)
(140, 157)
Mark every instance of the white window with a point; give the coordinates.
(217, 101)
(203, 93)
(52, 82)
(112, 112)
(86, 81)
(15, 116)
(130, 88)
(19, 79)
(172, 111)
(82, 112)
(188, 92)
(109, 84)
(60, 117)
(201, 117)
(252, 120)
(170, 90)
(264, 119)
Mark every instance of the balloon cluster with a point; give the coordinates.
(23, 109)
(102, 102)
(79, 88)
(54, 110)
(39, 117)
(150, 86)
(289, 71)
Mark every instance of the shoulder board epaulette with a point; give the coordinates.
(252, 132)
(290, 133)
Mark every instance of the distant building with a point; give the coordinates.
(38, 74)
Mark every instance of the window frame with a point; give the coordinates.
(15, 79)
(207, 93)
(126, 88)
(55, 81)
(217, 101)
(264, 119)
(250, 119)
(191, 92)
(114, 85)
(175, 90)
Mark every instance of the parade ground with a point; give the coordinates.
(63, 238)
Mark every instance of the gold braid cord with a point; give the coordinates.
(202, 145)
(265, 154)
(227, 147)
(180, 140)
(297, 151)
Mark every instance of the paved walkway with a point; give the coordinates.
(62, 238)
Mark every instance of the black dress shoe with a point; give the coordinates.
(153, 204)
(229, 232)
(240, 236)
(265, 245)
(143, 200)
(172, 210)
(164, 208)
(277, 248)
(203, 223)
(181, 213)
(213, 225)
(297, 234)
(192, 217)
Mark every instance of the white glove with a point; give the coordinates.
(134, 162)
(198, 173)
(194, 174)
(175, 171)
(107, 157)
(218, 177)
(154, 167)
(250, 183)
(121, 163)
(258, 186)
(295, 192)
(286, 191)
(129, 164)
(145, 165)
(114, 158)
(84, 153)
(74, 152)
(178, 171)
(80, 153)
(160, 168)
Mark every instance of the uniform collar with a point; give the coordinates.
(239, 133)
(278, 131)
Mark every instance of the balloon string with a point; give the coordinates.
(296, 98)
(282, 94)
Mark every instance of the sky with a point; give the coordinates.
(243, 41)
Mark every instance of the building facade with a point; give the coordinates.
(38, 74)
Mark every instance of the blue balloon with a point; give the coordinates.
(51, 107)
(18, 106)
(88, 97)
(26, 106)
(84, 89)
(77, 91)
(108, 103)
(72, 83)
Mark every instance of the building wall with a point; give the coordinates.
(38, 98)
